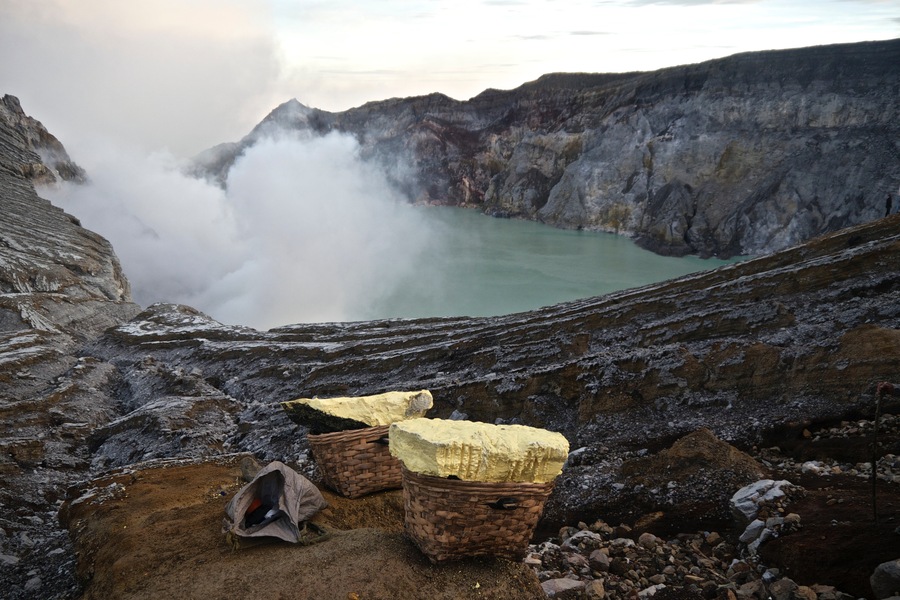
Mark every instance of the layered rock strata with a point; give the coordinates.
(737, 156)
(60, 286)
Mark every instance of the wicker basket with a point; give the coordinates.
(450, 519)
(356, 462)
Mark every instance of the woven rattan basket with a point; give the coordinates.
(450, 519)
(356, 462)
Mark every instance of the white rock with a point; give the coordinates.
(752, 531)
(811, 466)
(745, 502)
(553, 587)
(582, 536)
(651, 591)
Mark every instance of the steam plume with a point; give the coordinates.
(305, 231)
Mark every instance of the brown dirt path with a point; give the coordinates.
(156, 533)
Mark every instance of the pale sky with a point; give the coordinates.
(183, 75)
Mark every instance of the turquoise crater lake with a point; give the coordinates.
(483, 266)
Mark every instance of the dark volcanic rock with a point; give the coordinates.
(60, 285)
(742, 155)
(751, 351)
(27, 147)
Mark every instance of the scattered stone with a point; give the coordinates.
(249, 468)
(9, 561)
(33, 584)
(563, 588)
(533, 560)
(886, 579)
(752, 531)
(619, 568)
(805, 593)
(594, 590)
(577, 561)
(599, 561)
(783, 589)
(752, 589)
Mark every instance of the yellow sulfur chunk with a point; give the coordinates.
(359, 411)
(478, 451)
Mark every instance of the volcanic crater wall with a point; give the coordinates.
(738, 156)
(89, 381)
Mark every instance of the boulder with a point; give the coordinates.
(886, 579)
(746, 501)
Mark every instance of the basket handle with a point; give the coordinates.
(504, 503)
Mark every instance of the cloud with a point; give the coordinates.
(690, 2)
(163, 74)
(536, 36)
(305, 231)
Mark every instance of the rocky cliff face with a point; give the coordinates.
(60, 285)
(742, 155)
(753, 352)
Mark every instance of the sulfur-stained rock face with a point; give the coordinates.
(323, 415)
(742, 155)
(478, 451)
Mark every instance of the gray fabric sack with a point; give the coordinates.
(286, 500)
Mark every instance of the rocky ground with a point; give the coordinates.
(819, 540)
(153, 530)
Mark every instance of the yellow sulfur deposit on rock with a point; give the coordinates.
(353, 412)
(479, 451)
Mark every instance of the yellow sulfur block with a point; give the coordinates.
(475, 451)
(351, 412)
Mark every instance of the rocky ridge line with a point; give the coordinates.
(743, 155)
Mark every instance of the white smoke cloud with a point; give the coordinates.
(156, 74)
(306, 231)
